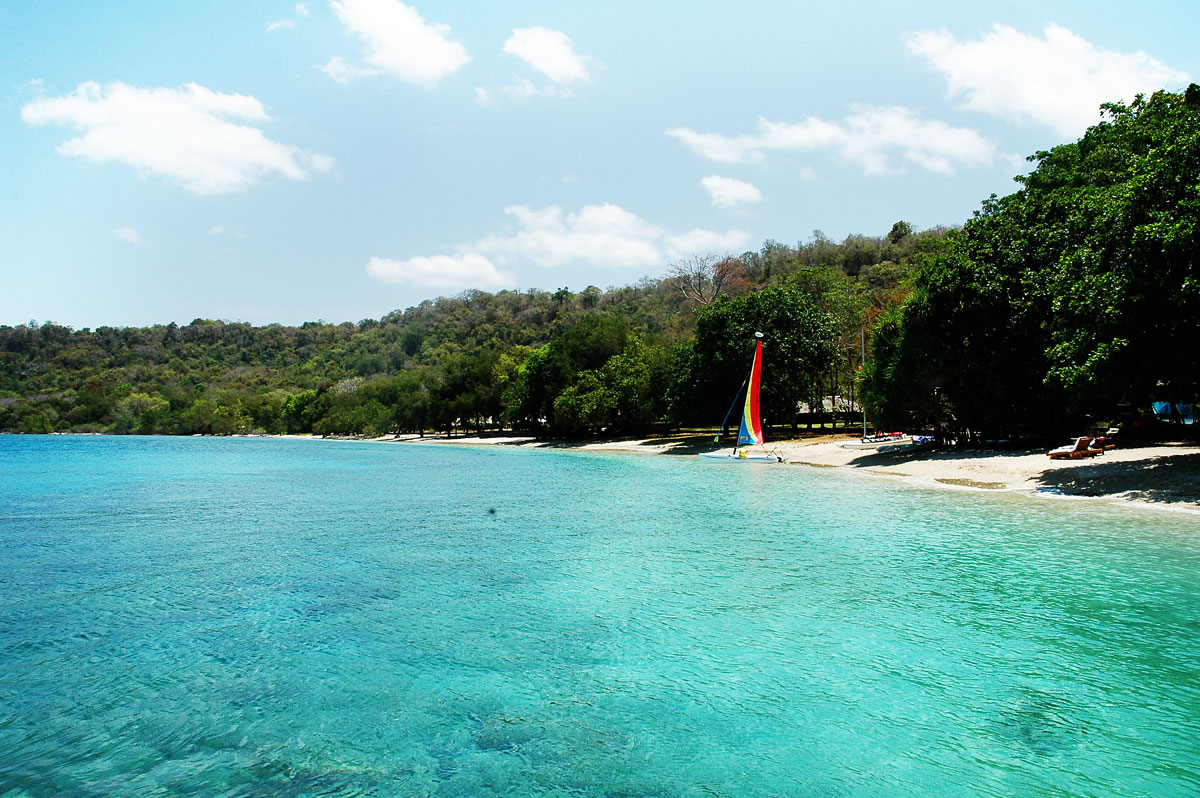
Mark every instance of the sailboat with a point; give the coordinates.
(750, 433)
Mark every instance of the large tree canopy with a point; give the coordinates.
(1125, 315)
(1078, 292)
(797, 349)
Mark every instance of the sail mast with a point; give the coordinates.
(750, 430)
(750, 433)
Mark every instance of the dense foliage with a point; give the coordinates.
(558, 363)
(797, 351)
(1077, 295)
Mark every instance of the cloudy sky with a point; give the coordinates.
(283, 162)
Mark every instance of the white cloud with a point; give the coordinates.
(1059, 80)
(300, 9)
(183, 134)
(869, 137)
(601, 235)
(442, 272)
(321, 163)
(1017, 162)
(398, 42)
(549, 52)
(875, 132)
(524, 89)
(337, 68)
(484, 97)
(812, 133)
(727, 192)
(699, 241)
(128, 235)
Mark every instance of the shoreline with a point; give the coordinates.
(1161, 475)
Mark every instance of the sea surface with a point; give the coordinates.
(263, 617)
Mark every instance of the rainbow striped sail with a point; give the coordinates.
(750, 433)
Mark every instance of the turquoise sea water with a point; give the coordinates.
(254, 617)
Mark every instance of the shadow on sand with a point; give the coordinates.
(1168, 479)
(685, 444)
(1164, 479)
(679, 444)
(901, 456)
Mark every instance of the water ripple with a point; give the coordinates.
(251, 618)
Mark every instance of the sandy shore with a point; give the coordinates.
(1166, 475)
(1158, 474)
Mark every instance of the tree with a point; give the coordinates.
(299, 411)
(797, 349)
(636, 381)
(467, 394)
(549, 370)
(281, 378)
(900, 231)
(970, 339)
(414, 401)
(1077, 292)
(586, 406)
(703, 278)
(141, 413)
(1126, 290)
(197, 419)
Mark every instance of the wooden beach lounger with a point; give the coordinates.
(1079, 449)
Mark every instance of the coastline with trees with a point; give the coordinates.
(1074, 301)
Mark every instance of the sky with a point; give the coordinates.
(282, 162)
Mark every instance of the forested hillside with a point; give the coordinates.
(621, 360)
(1076, 296)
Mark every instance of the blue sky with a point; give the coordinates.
(283, 162)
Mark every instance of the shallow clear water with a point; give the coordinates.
(274, 617)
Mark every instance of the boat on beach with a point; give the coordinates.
(741, 456)
(884, 441)
(750, 433)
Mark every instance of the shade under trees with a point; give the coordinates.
(1075, 296)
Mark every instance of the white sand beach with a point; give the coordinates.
(1165, 475)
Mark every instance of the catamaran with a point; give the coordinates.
(750, 433)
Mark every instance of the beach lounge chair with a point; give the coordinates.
(1076, 451)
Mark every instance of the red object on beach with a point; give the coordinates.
(1082, 447)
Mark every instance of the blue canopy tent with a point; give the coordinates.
(1176, 412)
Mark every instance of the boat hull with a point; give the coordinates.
(727, 457)
(890, 442)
